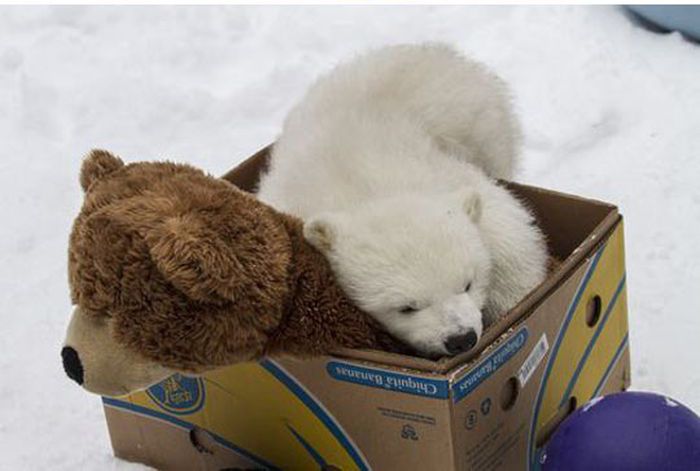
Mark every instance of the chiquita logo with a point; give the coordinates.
(178, 394)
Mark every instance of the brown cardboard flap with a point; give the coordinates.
(247, 174)
(574, 227)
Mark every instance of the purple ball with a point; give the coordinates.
(629, 431)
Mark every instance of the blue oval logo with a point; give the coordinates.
(178, 394)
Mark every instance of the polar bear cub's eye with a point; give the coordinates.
(468, 287)
(408, 309)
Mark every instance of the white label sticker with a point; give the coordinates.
(533, 360)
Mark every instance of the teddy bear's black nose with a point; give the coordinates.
(461, 342)
(72, 365)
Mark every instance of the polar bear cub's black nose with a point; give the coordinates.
(461, 343)
(72, 364)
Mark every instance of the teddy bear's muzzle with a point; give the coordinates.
(93, 358)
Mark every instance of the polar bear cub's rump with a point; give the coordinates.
(384, 122)
(390, 160)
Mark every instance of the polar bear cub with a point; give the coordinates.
(391, 159)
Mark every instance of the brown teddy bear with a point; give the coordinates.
(172, 270)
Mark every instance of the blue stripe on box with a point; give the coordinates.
(613, 362)
(592, 342)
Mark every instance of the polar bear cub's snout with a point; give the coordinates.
(448, 326)
(416, 263)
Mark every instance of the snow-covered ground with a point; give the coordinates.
(610, 111)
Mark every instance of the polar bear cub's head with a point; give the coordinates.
(416, 263)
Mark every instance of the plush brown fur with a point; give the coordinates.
(192, 273)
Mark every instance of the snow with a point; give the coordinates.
(610, 111)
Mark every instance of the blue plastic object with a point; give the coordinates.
(683, 18)
(629, 431)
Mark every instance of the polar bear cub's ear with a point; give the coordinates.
(471, 203)
(322, 232)
(97, 165)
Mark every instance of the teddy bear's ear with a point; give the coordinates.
(195, 259)
(322, 233)
(97, 165)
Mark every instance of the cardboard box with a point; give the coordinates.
(489, 409)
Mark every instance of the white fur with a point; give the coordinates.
(385, 159)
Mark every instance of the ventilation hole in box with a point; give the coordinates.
(202, 440)
(509, 393)
(593, 309)
(551, 425)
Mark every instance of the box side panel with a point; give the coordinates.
(570, 354)
(293, 415)
(591, 342)
(492, 406)
(597, 332)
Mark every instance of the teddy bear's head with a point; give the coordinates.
(170, 270)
